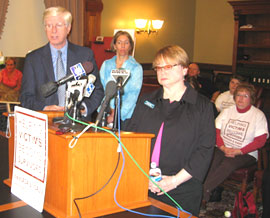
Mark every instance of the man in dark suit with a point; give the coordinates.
(41, 65)
(207, 88)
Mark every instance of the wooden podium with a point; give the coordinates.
(81, 171)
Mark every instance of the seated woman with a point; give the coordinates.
(225, 99)
(10, 81)
(123, 44)
(240, 130)
(10, 76)
(183, 123)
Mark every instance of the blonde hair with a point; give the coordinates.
(172, 53)
(56, 11)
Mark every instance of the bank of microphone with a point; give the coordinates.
(78, 89)
(77, 71)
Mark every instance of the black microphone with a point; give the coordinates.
(50, 88)
(110, 91)
(119, 82)
(120, 76)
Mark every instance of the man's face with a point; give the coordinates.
(193, 70)
(57, 31)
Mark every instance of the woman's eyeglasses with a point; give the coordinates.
(244, 95)
(166, 67)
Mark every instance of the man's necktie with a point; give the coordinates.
(60, 70)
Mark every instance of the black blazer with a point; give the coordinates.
(38, 70)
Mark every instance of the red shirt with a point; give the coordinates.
(14, 80)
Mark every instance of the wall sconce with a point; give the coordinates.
(148, 26)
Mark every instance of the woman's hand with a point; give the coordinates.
(167, 183)
(230, 152)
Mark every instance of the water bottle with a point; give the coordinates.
(155, 172)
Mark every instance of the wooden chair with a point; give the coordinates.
(244, 176)
(262, 165)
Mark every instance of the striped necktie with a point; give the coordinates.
(60, 71)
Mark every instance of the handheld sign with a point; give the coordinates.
(30, 157)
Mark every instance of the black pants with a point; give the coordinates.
(266, 194)
(188, 195)
(221, 167)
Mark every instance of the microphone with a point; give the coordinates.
(110, 91)
(78, 70)
(119, 82)
(90, 85)
(75, 86)
(120, 76)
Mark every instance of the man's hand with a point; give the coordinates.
(54, 108)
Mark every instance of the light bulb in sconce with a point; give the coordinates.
(157, 24)
(148, 26)
(140, 23)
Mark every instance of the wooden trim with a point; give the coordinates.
(215, 67)
(12, 205)
(146, 66)
(168, 208)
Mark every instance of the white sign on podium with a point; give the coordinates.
(30, 157)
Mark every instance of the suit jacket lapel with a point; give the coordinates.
(47, 62)
(71, 57)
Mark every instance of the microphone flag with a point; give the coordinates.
(78, 71)
(116, 73)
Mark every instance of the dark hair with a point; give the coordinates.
(238, 77)
(120, 33)
(11, 59)
(249, 88)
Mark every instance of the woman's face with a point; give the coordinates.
(122, 45)
(242, 99)
(10, 65)
(233, 85)
(170, 73)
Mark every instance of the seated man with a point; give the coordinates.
(207, 88)
(225, 99)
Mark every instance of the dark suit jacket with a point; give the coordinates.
(38, 70)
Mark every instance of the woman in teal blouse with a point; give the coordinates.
(123, 44)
